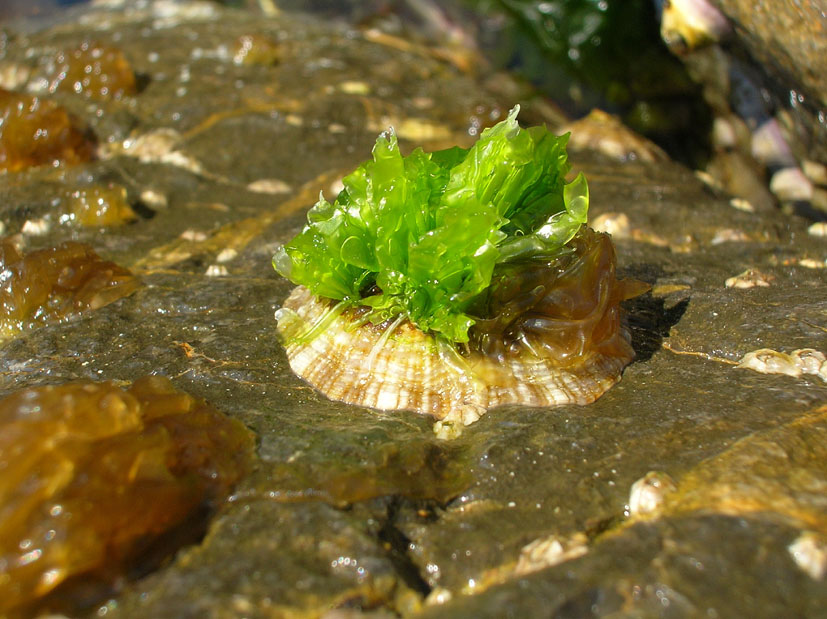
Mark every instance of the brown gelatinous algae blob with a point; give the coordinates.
(556, 339)
(56, 284)
(93, 70)
(35, 132)
(98, 206)
(100, 483)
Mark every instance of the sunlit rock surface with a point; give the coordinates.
(100, 483)
(349, 510)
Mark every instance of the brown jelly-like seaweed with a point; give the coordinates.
(56, 284)
(559, 309)
(98, 206)
(35, 131)
(100, 483)
(93, 70)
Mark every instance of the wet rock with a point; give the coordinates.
(765, 63)
(360, 511)
(671, 566)
(790, 40)
(780, 471)
(100, 483)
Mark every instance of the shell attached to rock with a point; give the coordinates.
(548, 334)
(454, 281)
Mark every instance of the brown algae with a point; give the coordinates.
(100, 483)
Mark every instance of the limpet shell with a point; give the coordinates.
(414, 371)
(396, 366)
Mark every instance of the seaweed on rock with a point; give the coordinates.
(451, 282)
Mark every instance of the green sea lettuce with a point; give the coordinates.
(420, 236)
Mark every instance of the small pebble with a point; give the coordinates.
(154, 199)
(729, 235)
(742, 205)
(355, 88)
(615, 224)
(790, 185)
(810, 263)
(196, 236)
(818, 229)
(336, 187)
(182, 160)
(815, 171)
(770, 147)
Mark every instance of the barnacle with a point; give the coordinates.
(452, 282)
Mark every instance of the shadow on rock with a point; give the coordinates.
(649, 320)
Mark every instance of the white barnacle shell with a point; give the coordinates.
(648, 493)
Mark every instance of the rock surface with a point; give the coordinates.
(763, 67)
(788, 38)
(350, 510)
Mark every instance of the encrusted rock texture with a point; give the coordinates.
(231, 127)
